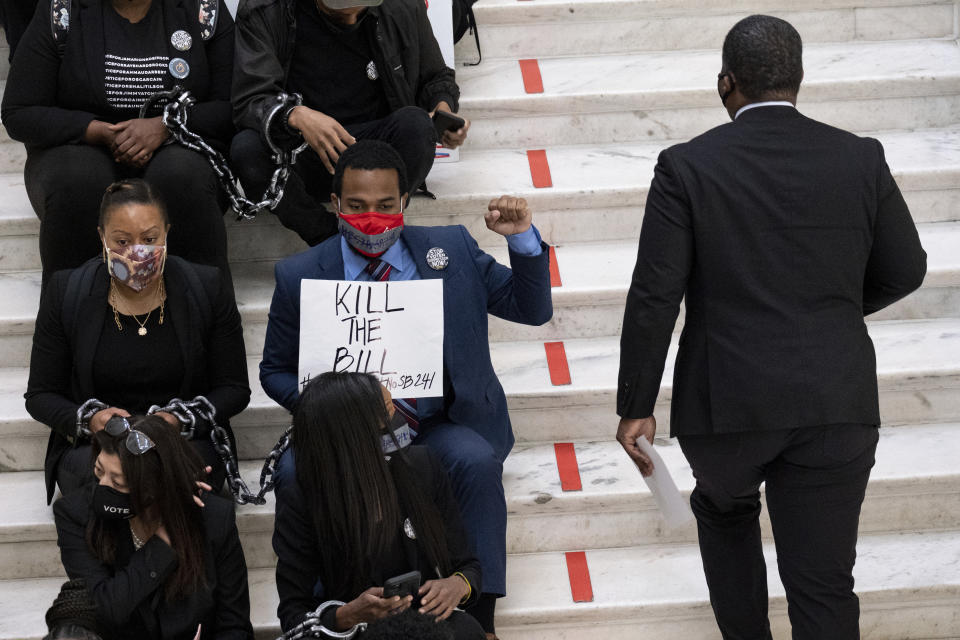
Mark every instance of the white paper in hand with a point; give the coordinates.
(676, 512)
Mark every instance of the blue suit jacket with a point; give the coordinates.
(474, 285)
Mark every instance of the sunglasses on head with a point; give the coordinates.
(137, 442)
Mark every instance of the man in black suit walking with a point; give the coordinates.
(783, 233)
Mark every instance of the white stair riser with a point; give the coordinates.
(544, 121)
(549, 120)
(585, 321)
(885, 621)
(588, 416)
(561, 215)
(889, 506)
(560, 417)
(897, 614)
(501, 12)
(533, 38)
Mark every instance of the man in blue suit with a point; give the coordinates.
(468, 427)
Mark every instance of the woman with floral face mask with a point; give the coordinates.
(158, 561)
(128, 330)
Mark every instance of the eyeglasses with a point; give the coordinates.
(138, 443)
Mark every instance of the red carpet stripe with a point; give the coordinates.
(555, 280)
(567, 466)
(539, 168)
(557, 363)
(580, 587)
(532, 80)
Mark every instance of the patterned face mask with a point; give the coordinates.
(371, 233)
(136, 265)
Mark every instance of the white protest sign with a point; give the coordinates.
(393, 330)
(440, 14)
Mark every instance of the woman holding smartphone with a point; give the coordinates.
(356, 518)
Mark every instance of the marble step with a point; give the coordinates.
(590, 302)
(509, 29)
(918, 366)
(4, 55)
(673, 95)
(597, 195)
(12, 153)
(907, 584)
(915, 486)
(643, 96)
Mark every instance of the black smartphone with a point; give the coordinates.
(407, 584)
(446, 121)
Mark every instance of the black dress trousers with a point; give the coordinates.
(815, 478)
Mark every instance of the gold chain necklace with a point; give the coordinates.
(142, 331)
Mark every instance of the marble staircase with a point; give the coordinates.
(623, 79)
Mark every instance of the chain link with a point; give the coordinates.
(203, 409)
(86, 411)
(270, 463)
(175, 106)
(312, 627)
(179, 409)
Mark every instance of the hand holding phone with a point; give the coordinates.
(451, 129)
(369, 606)
(407, 584)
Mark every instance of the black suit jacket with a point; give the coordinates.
(61, 363)
(784, 233)
(297, 548)
(129, 594)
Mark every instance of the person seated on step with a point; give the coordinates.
(76, 86)
(366, 70)
(160, 560)
(131, 329)
(73, 615)
(350, 518)
(468, 428)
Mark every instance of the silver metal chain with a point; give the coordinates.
(203, 409)
(312, 627)
(182, 412)
(187, 412)
(175, 106)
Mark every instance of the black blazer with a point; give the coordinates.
(784, 233)
(296, 545)
(61, 364)
(129, 595)
(49, 100)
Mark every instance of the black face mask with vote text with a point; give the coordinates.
(110, 504)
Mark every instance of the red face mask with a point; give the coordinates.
(371, 233)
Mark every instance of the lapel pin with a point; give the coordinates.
(179, 68)
(408, 529)
(437, 259)
(372, 71)
(181, 40)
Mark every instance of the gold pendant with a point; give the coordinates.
(142, 331)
